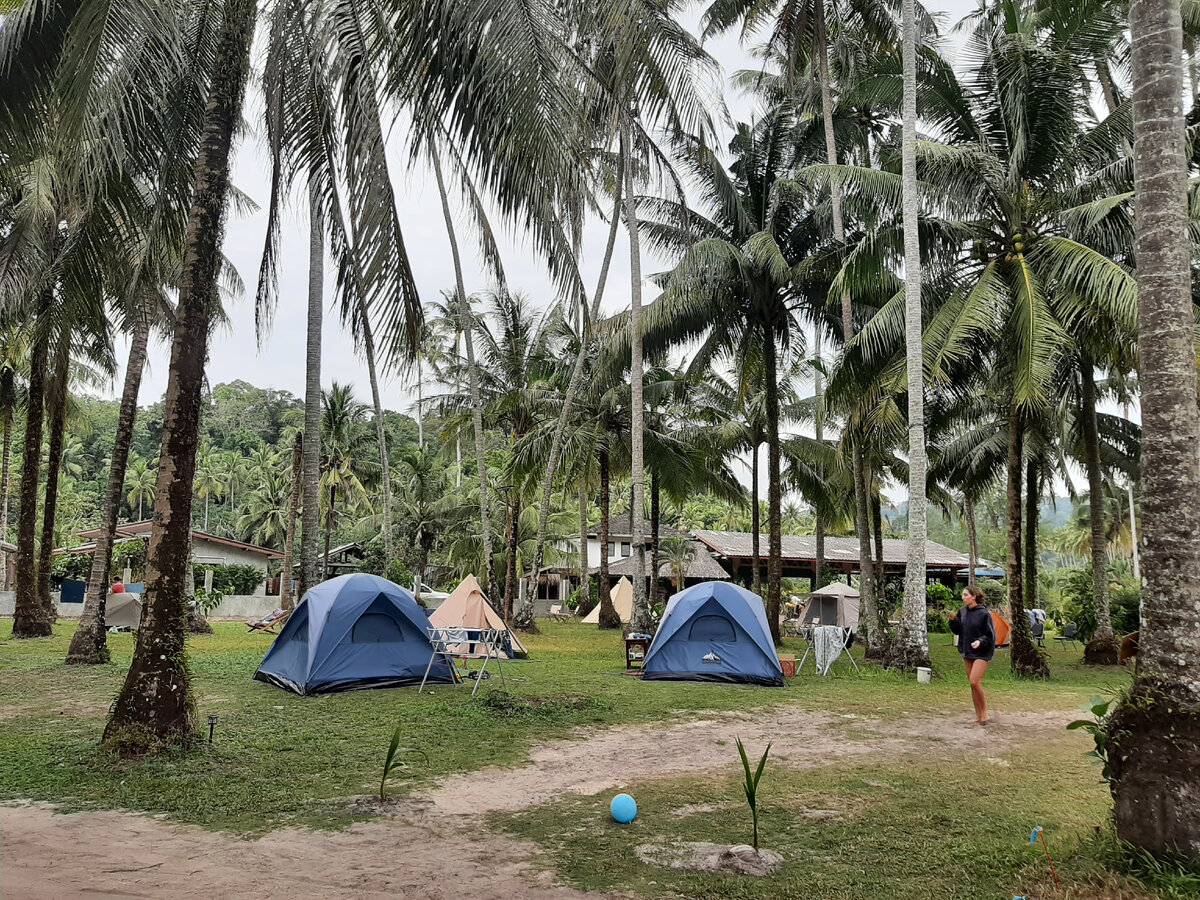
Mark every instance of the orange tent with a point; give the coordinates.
(467, 607)
(1002, 627)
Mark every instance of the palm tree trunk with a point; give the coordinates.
(8, 398)
(655, 516)
(911, 645)
(1103, 648)
(385, 474)
(608, 613)
(1025, 658)
(1154, 736)
(573, 385)
(89, 644)
(774, 488)
(641, 619)
(585, 580)
(56, 415)
(30, 618)
(329, 530)
(311, 492)
(877, 534)
(1033, 494)
(287, 599)
(207, 496)
(420, 405)
(196, 622)
(972, 542)
(511, 589)
(155, 705)
(867, 600)
(755, 526)
(821, 40)
(819, 417)
(468, 325)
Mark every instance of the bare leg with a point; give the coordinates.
(978, 668)
(969, 663)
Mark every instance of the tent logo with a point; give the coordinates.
(711, 658)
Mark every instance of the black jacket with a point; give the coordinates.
(975, 625)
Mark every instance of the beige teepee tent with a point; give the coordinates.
(622, 600)
(467, 607)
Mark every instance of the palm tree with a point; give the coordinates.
(1156, 730)
(462, 301)
(208, 481)
(265, 521)
(13, 353)
(30, 617)
(139, 482)
(678, 552)
(800, 31)
(733, 286)
(910, 647)
(507, 377)
(286, 597)
(342, 418)
(310, 503)
(155, 705)
(422, 485)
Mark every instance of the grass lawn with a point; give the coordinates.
(886, 827)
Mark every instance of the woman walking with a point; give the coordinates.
(976, 643)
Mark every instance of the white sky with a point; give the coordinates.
(279, 363)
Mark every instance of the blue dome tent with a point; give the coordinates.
(349, 633)
(715, 631)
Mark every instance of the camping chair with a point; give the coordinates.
(1069, 634)
(1039, 633)
(271, 623)
(557, 613)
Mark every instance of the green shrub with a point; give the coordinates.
(398, 573)
(937, 621)
(995, 593)
(1079, 602)
(231, 579)
(939, 596)
(573, 601)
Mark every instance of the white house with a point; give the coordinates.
(620, 538)
(207, 549)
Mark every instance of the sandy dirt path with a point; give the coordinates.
(433, 848)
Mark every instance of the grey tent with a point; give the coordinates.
(123, 610)
(834, 604)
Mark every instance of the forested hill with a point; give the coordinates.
(244, 462)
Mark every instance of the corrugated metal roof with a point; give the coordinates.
(837, 549)
(703, 567)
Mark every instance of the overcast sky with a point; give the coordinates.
(279, 362)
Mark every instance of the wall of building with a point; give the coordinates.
(594, 548)
(212, 553)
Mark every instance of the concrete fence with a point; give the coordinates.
(232, 606)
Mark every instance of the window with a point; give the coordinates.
(376, 628)
(712, 628)
(612, 549)
(625, 550)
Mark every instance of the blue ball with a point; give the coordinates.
(623, 808)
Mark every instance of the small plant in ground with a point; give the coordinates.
(1097, 727)
(395, 759)
(751, 785)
